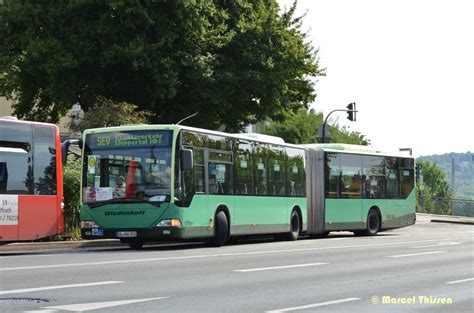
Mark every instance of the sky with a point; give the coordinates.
(408, 65)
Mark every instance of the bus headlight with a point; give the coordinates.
(174, 222)
(88, 224)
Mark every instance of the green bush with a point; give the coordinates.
(72, 186)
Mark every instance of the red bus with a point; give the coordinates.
(31, 181)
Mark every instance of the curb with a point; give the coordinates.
(465, 222)
(59, 245)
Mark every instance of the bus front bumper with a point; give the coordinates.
(148, 234)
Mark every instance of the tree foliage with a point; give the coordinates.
(233, 61)
(463, 171)
(106, 113)
(436, 194)
(72, 191)
(302, 127)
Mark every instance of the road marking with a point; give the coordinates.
(393, 236)
(201, 256)
(278, 267)
(459, 281)
(438, 245)
(100, 283)
(81, 307)
(415, 254)
(23, 256)
(314, 305)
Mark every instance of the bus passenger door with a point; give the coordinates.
(220, 182)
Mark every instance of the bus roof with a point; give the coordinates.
(354, 149)
(246, 136)
(329, 147)
(13, 119)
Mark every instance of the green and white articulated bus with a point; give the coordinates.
(145, 183)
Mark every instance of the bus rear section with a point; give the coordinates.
(355, 188)
(31, 185)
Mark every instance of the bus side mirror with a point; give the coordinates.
(186, 158)
(65, 148)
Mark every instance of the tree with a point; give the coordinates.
(302, 127)
(233, 61)
(72, 192)
(107, 113)
(436, 194)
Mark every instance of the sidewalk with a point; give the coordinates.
(59, 245)
(451, 219)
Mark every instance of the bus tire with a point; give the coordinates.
(373, 223)
(295, 226)
(221, 230)
(136, 245)
(324, 234)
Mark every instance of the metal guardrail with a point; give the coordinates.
(443, 206)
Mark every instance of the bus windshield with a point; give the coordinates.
(127, 166)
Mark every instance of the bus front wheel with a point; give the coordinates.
(221, 230)
(133, 244)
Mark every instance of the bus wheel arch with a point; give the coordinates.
(221, 226)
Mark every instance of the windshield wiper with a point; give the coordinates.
(123, 200)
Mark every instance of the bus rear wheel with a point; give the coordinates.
(295, 226)
(221, 230)
(373, 223)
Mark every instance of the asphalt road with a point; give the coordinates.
(423, 268)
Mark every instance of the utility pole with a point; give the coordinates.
(453, 177)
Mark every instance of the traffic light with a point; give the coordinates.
(351, 112)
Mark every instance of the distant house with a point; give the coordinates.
(5, 105)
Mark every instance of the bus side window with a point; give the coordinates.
(393, 183)
(373, 167)
(44, 167)
(332, 175)
(3, 177)
(220, 178)
(243, 165)
(199, 170)
(220, 172)
(407, 179)
(260, 167)
(276, 170)
(350, 176)
(295, 173)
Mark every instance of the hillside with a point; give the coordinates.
(463, 169)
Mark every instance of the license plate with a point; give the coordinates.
(97, 232)
(126, 234)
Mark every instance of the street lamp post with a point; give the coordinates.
(351, 115)
(409, 150)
